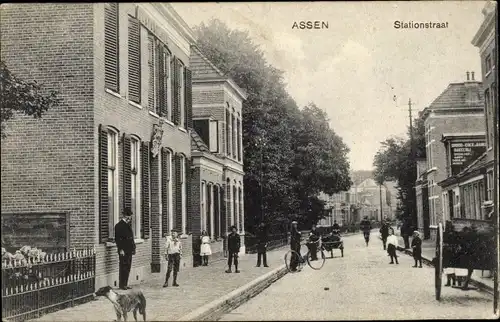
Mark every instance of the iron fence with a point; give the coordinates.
(274, 241)
(34, 286)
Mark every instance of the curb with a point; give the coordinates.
(480, 285)
(216, 309)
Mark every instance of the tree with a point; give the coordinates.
(393, 162)
(19, 96)
(272, 124)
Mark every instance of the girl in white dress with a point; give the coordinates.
(205, 249)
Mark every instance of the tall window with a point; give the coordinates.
(183, 193)
(134, 60)
(488, 113)
(238, 139)
(203, 206)
(112, 180)
(160, 87)
(233, 124)
(111, 48)
(168, 186)
(490, 185)
(228, 133)
(487, 63)
(182, 106)
(135, 173)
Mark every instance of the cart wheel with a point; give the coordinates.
(438, 265)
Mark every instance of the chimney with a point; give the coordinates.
(472, 75)
(467, 76)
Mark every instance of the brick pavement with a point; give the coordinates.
(429, 251)
(198, 286)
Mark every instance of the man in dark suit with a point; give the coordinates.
(384, 233)
(262, 244)
(124, 239)
(295, 237)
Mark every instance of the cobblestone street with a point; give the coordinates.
(363, 286)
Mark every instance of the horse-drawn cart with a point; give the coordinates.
(464, 243)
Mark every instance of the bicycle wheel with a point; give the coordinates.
(318, 262)
(289, 258)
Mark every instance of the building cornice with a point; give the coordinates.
(463, 136)
(176, 20)
(488, 25)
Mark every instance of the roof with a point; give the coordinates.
(197, 143)
(459, 95)
(476, 164)
(202, 67)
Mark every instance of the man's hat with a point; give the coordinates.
(294, 222)
(233, 227)
(127, 212)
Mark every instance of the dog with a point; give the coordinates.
(133, 301)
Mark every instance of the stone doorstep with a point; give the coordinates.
(427, 259)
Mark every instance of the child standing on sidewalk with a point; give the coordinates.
(205, 249)
(233, 247)
(392, 244)
(416, 245)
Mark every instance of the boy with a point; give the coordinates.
(173, 252)
(416, 245)
(233, 247)
(392, 244)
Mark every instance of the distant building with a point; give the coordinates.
(456, 113)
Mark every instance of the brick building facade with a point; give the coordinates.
(218, 152)
(457, 111)
(120, 137)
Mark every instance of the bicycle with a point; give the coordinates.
(315, 264)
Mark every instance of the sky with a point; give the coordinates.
(355, 68)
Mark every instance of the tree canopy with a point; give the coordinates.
(394, 162)
(27, 97)
(301, 155)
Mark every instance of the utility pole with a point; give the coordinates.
(261, 180)
(381, 211)
(413, 174)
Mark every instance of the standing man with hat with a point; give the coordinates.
(125, 244)
(262, 244)
(295, 236)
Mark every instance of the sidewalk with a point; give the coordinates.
(198, 287)
(429, 252)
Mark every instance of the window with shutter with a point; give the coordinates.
(111, 48)
(145, 189)
(167, 84)
(103, 185)
(136, 187)
(178, 194)
(113, 193)
(134, 60)
(167, 219)
(158, 78)
(175, 93)
(163, 71)
(182, 95)
(188, 93)
(151, 76)
(228, 133)
(127, 172)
